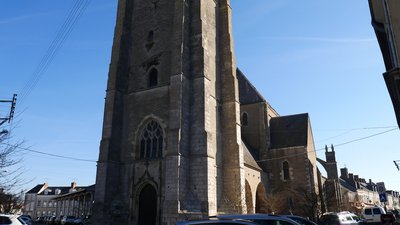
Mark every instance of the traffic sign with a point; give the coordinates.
(380, 187)
(383, 197)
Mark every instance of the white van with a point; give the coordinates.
(373, 214)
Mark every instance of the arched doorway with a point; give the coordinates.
(261, 199)
(249, 198)
(147, 205)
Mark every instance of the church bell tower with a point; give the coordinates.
(171, 143)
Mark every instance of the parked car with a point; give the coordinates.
(373, 214)
(26, 219)
(340, 218)
(388, 219)
(68, 220)
(264, 219)
(58, 220)
(215, 222)
(396, 213)
(300, 220)
(79, 221)
(10, 220)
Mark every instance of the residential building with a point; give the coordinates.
(77, 203)
(42, 200)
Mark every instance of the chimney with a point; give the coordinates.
(356, 178)
(73, 185)
(344, 173)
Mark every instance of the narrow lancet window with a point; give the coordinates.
(153, 77)
(285, 170)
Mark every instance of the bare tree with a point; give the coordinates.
(11, 169)
(11, 172)
(11, 203)
(276, 202)
(309, 203)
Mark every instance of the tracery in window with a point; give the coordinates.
(151, 141)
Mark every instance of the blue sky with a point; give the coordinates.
(319, 57)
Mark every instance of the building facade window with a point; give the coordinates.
(245, 119)
(39, 203)
(151, 141)
(153, 77)
(285, 170)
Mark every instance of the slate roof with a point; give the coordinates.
(79, 190)
(289, 131)
(35, 190)
(248, 94)
(248, 157)
(346, 185)
(52, 189)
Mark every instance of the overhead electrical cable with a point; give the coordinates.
(336, 145)
(354, 129)
(50, 154)
(264, 160)
(63, 33)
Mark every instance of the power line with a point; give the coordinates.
(354, 129)
(283, 157)
(363, 138)
(63, 33)
(341, 144)
(50, 154)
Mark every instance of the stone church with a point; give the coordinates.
(185, 134)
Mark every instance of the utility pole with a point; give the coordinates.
(10, 115)
(396, 163)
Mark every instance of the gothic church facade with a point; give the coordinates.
(185, 134)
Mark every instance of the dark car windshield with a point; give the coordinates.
(5, 220)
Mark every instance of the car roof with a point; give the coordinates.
(299, 217)
(256, 216)
(214, 221)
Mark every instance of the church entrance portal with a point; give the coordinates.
(147, 206)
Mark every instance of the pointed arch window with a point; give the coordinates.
(153, 77)
(151, 141)
(285, 170)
